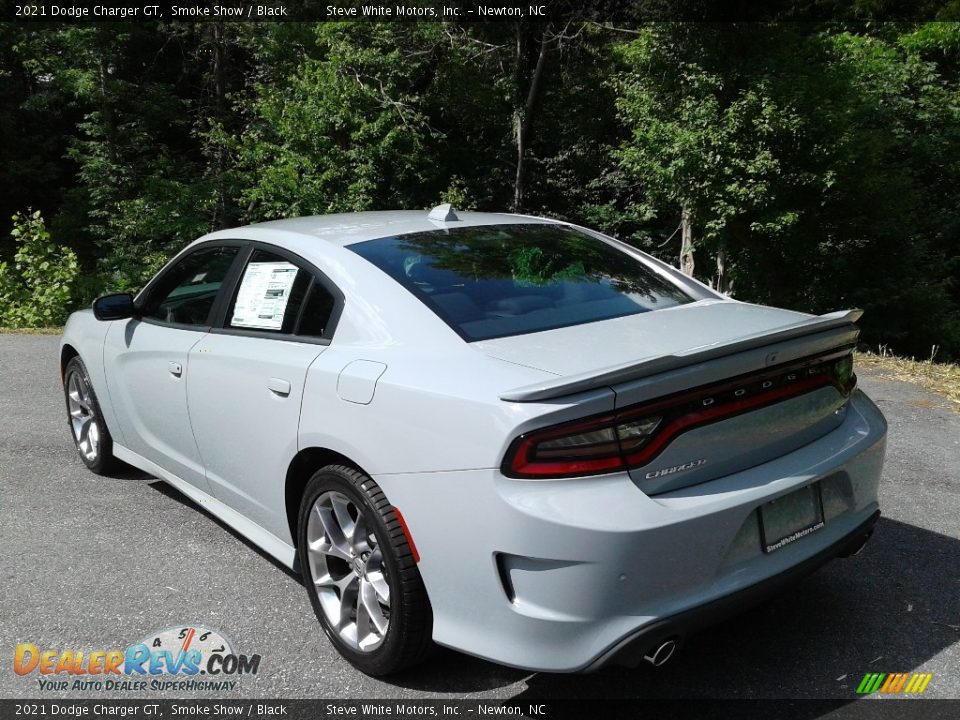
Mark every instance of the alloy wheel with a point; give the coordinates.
(83, 417)
(347, 568)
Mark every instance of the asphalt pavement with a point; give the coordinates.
(98, 563)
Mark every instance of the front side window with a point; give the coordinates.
(185, 293)
(497, 280)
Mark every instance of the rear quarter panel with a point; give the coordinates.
(430, 410)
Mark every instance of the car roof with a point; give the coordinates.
(348, 228)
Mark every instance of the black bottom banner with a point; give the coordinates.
(470, 709)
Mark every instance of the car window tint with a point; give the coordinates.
(316, 311)
(498, 280)
(185, 293)
(269, 295)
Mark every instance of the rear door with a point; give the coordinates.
(247, 377)
(147, 359)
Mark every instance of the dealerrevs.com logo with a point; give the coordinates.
(176, 659)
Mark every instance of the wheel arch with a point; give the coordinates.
(67, 353)
(304, 464)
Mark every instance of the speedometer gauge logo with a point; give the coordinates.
(179, 641)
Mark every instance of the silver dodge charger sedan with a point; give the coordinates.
(507, 435)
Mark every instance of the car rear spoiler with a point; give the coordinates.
(549, 389)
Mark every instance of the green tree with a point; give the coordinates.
(802, 165)
(707, 140)
(37, 289)
(346, 130)
(810, 163)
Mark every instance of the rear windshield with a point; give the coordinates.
(497, 280)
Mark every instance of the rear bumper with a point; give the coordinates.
(630, 651)
(565, 576)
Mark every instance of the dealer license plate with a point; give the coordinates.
(790, 517)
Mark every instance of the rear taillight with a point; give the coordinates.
(634, 436)
(587, 448)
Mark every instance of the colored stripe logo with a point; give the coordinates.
(894, 683)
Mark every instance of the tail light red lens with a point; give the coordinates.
(582, 448)
(635, 435)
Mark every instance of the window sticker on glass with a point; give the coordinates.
(263, 295)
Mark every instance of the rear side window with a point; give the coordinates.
(498, 280)
(317, 311)
(269, 295)
(278, 296)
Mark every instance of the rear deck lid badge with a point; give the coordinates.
(675, 469)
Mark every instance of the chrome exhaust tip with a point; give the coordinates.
(662, 653)
(856, 549)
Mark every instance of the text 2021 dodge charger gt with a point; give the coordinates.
(507, 435)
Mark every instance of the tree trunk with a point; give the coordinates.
(219, 63)
(106, 108)
(722, 282)
(686, 242)
(216, 111)
(521, 151)
(523, 115)
(219, 59)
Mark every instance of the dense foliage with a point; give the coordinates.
(810, 166)
(36, 290)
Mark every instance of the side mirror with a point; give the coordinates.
(114, 307)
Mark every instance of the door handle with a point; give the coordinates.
(175, 368)
(279, 386)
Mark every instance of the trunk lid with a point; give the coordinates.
(591, 347)
(735, 385)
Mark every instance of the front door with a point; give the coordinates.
(147, 361)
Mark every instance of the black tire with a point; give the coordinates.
(101, 461)
(407, 639)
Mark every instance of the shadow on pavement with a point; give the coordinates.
(171, 492)
(128, 472)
